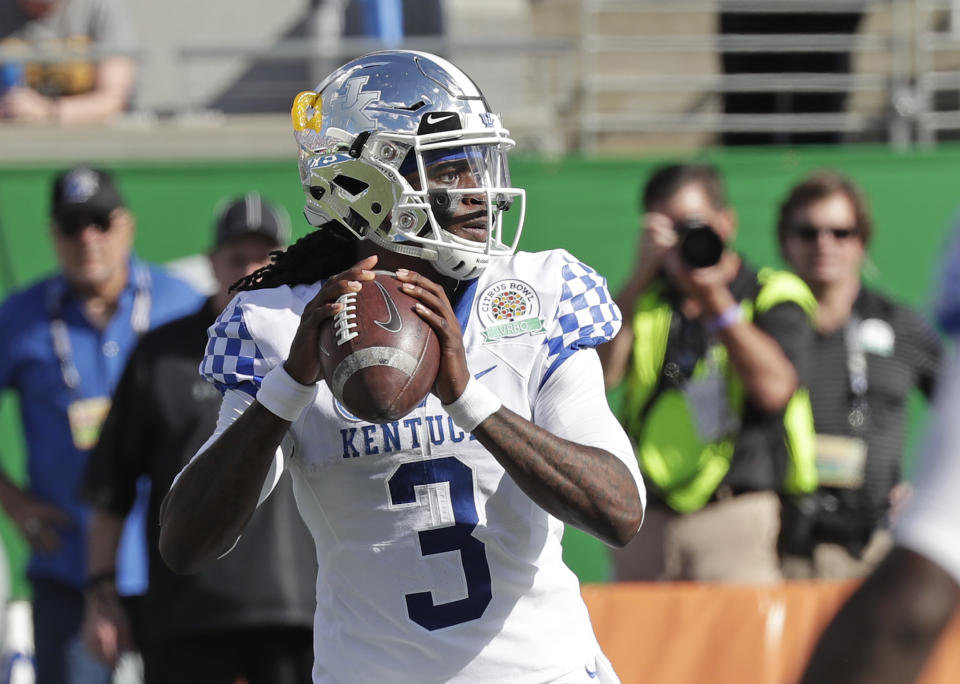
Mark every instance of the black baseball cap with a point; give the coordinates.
(251, 215)
(83, 189)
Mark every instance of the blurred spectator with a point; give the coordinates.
(871, 352)
(250, 615)
(887, 629)
(790, 64)
(65, 340)
(713, 359)
(76, 65)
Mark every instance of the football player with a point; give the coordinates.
(438, 535)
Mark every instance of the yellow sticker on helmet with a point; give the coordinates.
(301, 105)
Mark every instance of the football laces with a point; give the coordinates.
(345, 320)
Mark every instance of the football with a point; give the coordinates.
(379, 357)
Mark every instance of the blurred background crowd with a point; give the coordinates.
(787, 165)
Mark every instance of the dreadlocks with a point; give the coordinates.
(317, 255)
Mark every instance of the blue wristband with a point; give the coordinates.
(732, 314)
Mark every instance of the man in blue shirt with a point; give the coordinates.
(64, 344)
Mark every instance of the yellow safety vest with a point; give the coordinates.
(671, 454)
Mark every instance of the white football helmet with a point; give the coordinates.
(387, 117)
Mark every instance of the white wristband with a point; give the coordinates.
(283, 396)
(474, 406)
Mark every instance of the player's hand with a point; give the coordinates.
(303, 362)
(106, 628)
(40, 522)
(434, 307)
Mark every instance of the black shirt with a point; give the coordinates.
(912, 360)
(162, 413)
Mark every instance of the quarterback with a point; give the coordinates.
(438, 535)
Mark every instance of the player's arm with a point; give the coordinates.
(587, 486)
(584, 486)
(212, 499)
(884, 633)
(575, 462)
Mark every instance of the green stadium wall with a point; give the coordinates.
(588, 206)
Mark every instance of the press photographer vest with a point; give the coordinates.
(685, 468)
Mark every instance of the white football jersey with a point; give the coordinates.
(434, 565)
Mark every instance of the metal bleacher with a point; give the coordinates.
(652, 68)
(937, 55)
(594, 76)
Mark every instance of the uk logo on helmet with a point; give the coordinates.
(355, 101)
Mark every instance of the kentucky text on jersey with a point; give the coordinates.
(400, 435)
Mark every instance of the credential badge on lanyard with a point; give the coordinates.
(86, 414)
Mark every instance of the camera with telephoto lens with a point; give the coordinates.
(700, 246)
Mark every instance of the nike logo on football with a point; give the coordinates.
(393, 322)
(435, 119)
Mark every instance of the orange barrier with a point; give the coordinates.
(696, 633)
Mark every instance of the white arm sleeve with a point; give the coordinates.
(930, 524)
(234, 403)
(573, 405)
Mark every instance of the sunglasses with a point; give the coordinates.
(809, 233)
(71, 226)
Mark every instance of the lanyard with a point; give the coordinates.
(857, 370)
(59, 335)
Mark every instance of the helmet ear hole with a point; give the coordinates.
(353, 186)
(316, 192)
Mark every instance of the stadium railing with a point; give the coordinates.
(618, 75)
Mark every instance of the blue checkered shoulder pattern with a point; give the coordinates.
(232, 359)
(586, 314)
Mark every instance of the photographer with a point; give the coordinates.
(713, 360)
